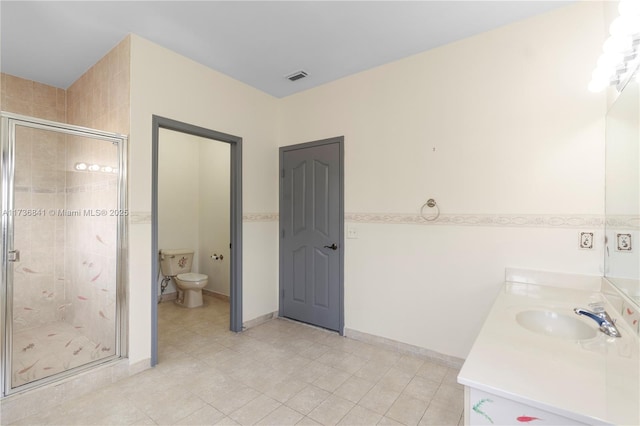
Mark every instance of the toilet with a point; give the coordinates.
(177, 265)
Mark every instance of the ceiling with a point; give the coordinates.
(256, 42)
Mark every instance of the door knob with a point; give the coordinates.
(332, 246)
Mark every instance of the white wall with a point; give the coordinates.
(193, 203)
(178, 194)
(214, 221)
(167, 84)
(498, 128)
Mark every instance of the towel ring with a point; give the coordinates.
(431, 203)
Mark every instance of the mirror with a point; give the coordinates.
(622, 189)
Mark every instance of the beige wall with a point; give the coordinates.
(169, 85)
(100, 97)
(31, 98)
(500, 129)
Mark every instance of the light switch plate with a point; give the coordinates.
(586, 240)
(352, 233)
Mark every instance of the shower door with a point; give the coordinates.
(62, 224)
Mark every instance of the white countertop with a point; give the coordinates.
(595, 381)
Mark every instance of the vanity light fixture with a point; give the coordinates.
(620, 56)
(84, 167)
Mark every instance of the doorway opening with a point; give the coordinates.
(211, 252)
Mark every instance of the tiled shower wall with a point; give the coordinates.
(77, 278)
(39, 276)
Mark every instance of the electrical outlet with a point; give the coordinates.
(586, 240)
(623, 242)
(352, 233)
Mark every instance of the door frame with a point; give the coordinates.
(335, 140)
(8, 123)
(235, 142)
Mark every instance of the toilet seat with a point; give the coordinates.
(191, 277)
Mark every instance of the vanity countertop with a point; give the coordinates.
(595, 381)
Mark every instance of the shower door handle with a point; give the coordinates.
(14, 256)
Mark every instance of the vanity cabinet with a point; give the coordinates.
(517, 374)
(483, 408)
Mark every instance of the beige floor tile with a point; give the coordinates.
(360, 416)
(331, 379)
(451, 378)
(432, 371)
(255, 410)
(379, 399)
(167, 406)
(331, 410)
(451, 397)
(314, 351)
(407, 410)
(354, 389)
(439, 415)
(421, 388)
(410, 364)
(227, 421)
(209, 375)
(396, 379)
(307, 399)
(206, 415)
(228, 402)
(282, 416)
(373, 370)
(307, 421)
(387, 421)
(284, 390)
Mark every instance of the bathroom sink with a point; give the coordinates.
(555, 325)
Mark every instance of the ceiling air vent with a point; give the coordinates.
(296, 75)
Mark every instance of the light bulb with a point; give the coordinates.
(596, 86)
(94, 168)
(107, 169)
(610, 60)
(629, 7)
(81, 166)
(617, 44)
(603, 74)
(625, 25)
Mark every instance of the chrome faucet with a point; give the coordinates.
(599, 315)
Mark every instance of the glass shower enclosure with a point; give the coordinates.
(63, 232)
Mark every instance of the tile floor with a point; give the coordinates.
(278, 373)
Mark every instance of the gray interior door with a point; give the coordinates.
(311, 233)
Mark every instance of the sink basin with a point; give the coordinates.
(555, 325)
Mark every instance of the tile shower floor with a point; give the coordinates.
(278, 373)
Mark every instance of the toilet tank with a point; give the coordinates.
(174, 262)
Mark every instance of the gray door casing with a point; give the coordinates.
(311, 220)
(235, 300)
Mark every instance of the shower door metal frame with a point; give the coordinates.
(8, 123)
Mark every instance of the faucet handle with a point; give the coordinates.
(597, 307)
